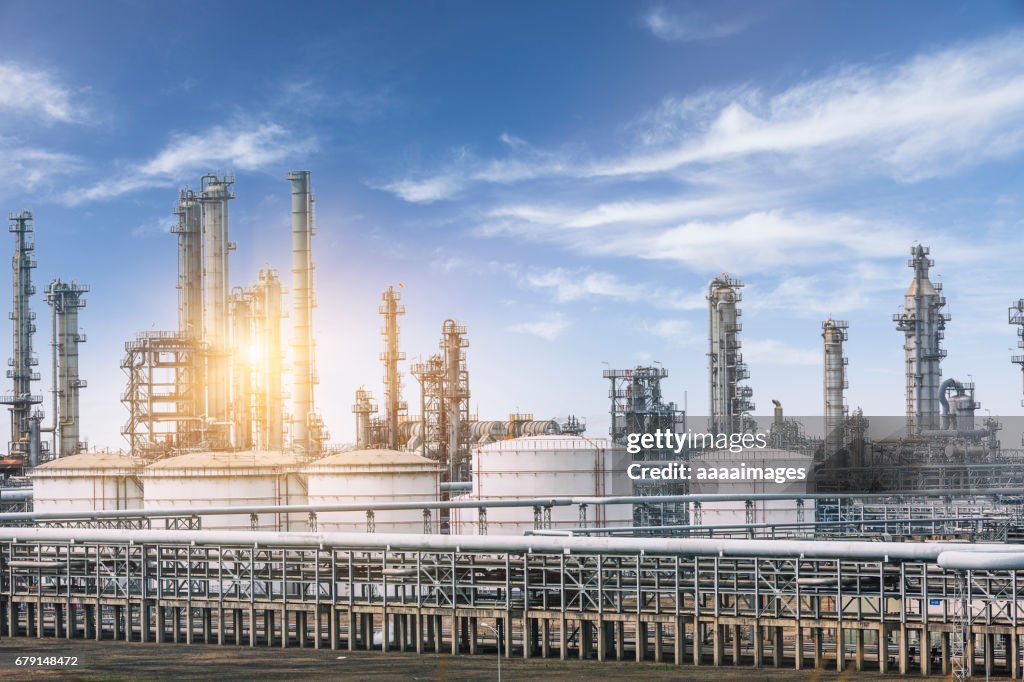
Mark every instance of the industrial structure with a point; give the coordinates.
(217, 382)
(230, 520)
(66, 299)
(922, 322)
(729, 400)
(834, 334)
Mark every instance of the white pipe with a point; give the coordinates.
(302, 310)
(810, 549)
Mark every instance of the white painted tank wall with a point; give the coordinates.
(215, 479)
(546, 466)
(87, 482)
(763, 511)
(372, 476)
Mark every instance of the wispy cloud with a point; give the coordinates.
(570, 285)
(549, 327)
(689, 26)
(29, 168)
(928, 116)
(773, 352)
(37, 93)
(242, 146)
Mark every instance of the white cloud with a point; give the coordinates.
(28, 168)
(568, 285)
(245, 146)
(549, 328)
(929, 116)
(689, 27)
(37, 93)
(773, 352)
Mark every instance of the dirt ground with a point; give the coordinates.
(120, 661)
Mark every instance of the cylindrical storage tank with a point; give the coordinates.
(543, 467)
(746, 472)
(88, 482)
(374, 476)
(229, 479)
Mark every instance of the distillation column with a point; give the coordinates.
(922, 322)
(66, 299)
(394, 406)
(729, 400)
(25, 439)
(456, 394)
(269, 395)
(191, 377)
(216, 192)
(303, 370)
(243, 368)
(1016, 317)
(834, 334)
(363, 409)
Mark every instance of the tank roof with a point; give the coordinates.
(222, 460)
(551, 441)
(380, 457)
(106, 461)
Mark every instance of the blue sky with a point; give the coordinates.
(563, 178)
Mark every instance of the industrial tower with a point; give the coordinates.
(444, 401)
(729, 400)
(25, 422)
(1016, 316)
(395, 408)
(834, 334)
(66, 299)
(213, 198)
(922, 322)
(364, 408)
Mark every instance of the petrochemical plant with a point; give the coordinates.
(231, 519)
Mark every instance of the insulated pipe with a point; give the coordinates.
(477, 504)
(810, 549)
(982, 559)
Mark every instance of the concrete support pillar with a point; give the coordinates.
(562, 638)
(777, 646)
(189, 625)
(798, 647)
(455, 635)
(12, 618)
(620, 641)
(858, 650)
(735, 644)
(698, 642)
(116, 624)
(840, 649)
(969, 650)
(332, 622)
(947, 668)
(659, 642)
(402, 632)
(352, 632)
(508, 635)
(438, 626)
(904, 649)
(883, 649)
(679, 642)
(989, 641)
(641, 640)
(252, 626)
(819, 659)
(545, 636)
(586, 638)
(718, 646)
(58, 620)
(98, 621)
(925, 647)
(758, 643)
(1014, 653)
(602, 640)
(220, 625)
(161, 624)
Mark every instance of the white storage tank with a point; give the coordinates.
(747, 471)
(88, 482)
(229, 479)
(374, 476)
(542, 467)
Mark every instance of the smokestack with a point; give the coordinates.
(834, 334)
(216, 192)
(303, 373)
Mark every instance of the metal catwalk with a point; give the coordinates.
(889, 607)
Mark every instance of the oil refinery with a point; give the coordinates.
(230, 519)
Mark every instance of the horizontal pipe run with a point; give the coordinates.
(643, 500)
(403, 542)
